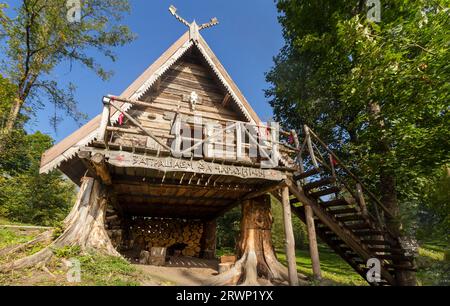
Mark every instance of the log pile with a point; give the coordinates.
(114, 227)
(169, 233)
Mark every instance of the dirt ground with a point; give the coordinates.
(181, 271)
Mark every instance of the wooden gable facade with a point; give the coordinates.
(145, 186)
(136, 132)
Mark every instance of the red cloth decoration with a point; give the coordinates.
(121, 116)
(291, 138)
(333, 161)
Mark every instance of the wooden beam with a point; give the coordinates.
(313, 250)
(104, 121)
(135, 122)
(254, 194)
(289, 238)
(264, 190)
(169, 164)
(217, 202)
(174, 184)
(99, 164)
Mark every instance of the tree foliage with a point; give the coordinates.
(25, 195)
(38, 37)
(337, 66)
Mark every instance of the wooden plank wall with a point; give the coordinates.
(189, 74)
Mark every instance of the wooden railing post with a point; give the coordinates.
(361, 200)
(289, 238)
(310, 147)
(105, 120)
(239, 148)
(312, 238)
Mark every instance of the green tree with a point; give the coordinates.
(39, 37)
(25, 195)
(376, 92)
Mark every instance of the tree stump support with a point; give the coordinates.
(84, 227)
(257, 263)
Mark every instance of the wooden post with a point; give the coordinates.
(239, 147)
(101, 169)
(289, 238)
(313, 250)
(361, 201)
(310, 147)
(208, 240)
(105, 120)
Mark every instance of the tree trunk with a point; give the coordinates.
(208, 240)
(388, 190)
(257, 262)
(84, 226)
(389, 199)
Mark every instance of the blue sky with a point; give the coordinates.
(245, 41)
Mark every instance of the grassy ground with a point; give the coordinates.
(95, 270)
(335, 271)
(433, 265)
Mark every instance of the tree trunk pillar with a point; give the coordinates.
(257, 263)
(289, 238)
(208, 240)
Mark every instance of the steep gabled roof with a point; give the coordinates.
(68, 147)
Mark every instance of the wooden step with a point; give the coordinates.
(355, 217)
(376, 242)
(334, 203)
(394, 257)
(343, 211)
(319, 183)
(366, 232)
(358, 226)
(400, 267)
(306, 174)
(324, 192)
(387, 250)
(294, 201)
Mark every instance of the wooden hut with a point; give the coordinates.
(181, 146)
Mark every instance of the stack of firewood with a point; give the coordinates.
(148, 233)
(114, 227)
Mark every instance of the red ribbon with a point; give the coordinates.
(291, 138)
(333, 161)
(121, 116)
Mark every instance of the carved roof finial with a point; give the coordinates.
(193, 27)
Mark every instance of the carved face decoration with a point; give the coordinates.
(193, 99)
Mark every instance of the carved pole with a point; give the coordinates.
(289, 238)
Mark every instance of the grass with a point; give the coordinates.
(96, 270)
(335, 271)
(10, 237)
(433, 264)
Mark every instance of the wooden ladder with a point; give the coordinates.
(343, 220)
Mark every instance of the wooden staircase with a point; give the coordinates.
(342, 218)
